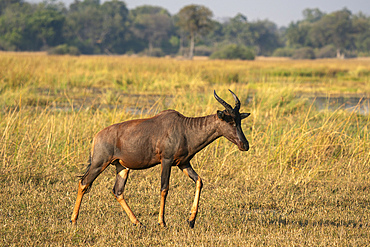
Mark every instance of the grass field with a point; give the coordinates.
(304, 181)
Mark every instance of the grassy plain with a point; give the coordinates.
(305, 180)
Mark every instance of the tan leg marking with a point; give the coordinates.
(161, 221)
(194, 208)
(127, 209)
(80, 193)
(124, 174)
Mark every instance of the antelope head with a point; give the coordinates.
(231, 118)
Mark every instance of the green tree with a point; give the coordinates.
(361, 33)
(334, 28)
(296, 34)
(151, 24)
(312, 15)
(237, 31)
(266, 36)
(96, 28)
(84, 26)
(5, 3)
(216, 34)
(195, 20)
(31, 27)
(45, 25)
(113, 38)
(13, 27)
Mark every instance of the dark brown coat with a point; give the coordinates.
(169, 139)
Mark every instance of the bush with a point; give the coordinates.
(283, 52)
(156, 52)
(74, 51)
(59, 50)
(63, 50)
(350, 54)
(234, 52)
(304, 53)
(328, 51)
(202, 50)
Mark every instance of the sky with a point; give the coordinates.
(281, 12)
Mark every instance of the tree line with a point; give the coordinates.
(92, 27)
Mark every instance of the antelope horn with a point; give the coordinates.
(237, 101)
(222, 102)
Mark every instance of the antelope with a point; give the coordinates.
(169, 139)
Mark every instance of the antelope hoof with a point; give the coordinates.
(191, 223)
(73, 223)
(162, 224)
(139, 225)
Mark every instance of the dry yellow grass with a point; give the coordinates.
(305, 180)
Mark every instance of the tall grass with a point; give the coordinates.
(305, 180)
(28, 75)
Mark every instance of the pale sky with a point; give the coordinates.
(281, 12)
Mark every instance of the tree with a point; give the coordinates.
(151, 24)
(31, 27)
(5, 3)
(13, 27)
(84, 26)
(45, 25)
(195, 19)
(296, 34)
(334, 28)
(312, 15)
(114, 27)
(237, 31)
(216, 34)
(266, 37)
(361, 33)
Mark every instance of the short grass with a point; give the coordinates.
(305, 180)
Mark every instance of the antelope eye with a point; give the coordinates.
(232, 123)
(228, 119)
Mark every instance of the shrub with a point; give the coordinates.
(58, 50)
(202, 50)
(234, 52)
(283, 52)
(350, 54)
(156, 52)
(304, 53)
(328, 51)
(63, 50)
(74, 51)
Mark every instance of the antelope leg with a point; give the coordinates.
(165, 181)
(119, 186)
(80, 193)
(84, 185)
(189, 171)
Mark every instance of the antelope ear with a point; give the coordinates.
(244, 115)
(221, 115)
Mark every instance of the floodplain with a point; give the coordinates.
(304, 181)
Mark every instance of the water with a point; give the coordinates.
(135, 104)
(360, 105)
(143, 104)
(357, 104)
